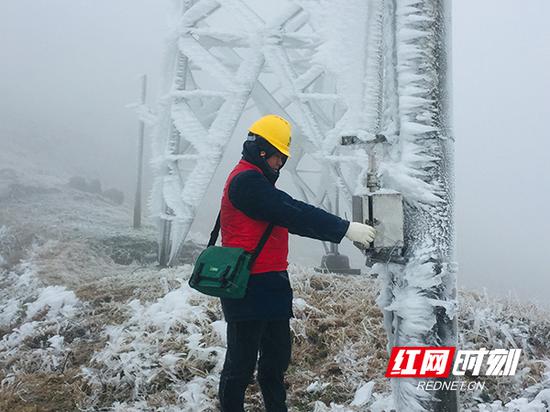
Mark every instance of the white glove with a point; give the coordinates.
(358, 232)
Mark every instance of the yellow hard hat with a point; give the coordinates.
(275, 130)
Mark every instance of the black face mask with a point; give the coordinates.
(251, 153)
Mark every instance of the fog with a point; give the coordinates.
(69, 68)
(501, 56)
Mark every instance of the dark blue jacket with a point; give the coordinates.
(269, 295)
(256, 197)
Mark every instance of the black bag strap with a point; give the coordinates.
(261, 244)
(216, 231)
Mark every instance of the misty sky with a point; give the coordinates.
(69, 67)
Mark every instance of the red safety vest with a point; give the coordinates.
(239, 230)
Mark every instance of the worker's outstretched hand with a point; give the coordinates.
(358, 232)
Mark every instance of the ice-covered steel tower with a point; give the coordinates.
(341, 72)
(215, 67)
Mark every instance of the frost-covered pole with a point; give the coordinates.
(138, 200)
(420, 298)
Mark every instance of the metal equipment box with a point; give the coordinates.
(382, 209)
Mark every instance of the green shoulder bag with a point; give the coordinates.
(224, 271)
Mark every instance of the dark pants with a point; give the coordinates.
(271, 338)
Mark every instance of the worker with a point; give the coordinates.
(259, 322)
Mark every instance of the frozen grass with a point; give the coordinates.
(144, 340)
(339, 339)
(486, 322)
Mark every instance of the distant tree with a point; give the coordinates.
(78, 183)
(94, 186)
(115, 195)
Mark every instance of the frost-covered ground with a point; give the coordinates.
(86, 323)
